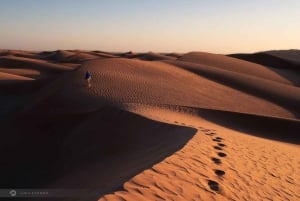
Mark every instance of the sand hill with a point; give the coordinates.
(153, 126)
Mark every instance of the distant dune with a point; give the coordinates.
(153, 126)
(291, 55)
(268, 60)
(68, 56)
(283, 67)
(232, 64)
(151, 56)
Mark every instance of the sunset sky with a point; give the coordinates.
(217, 26)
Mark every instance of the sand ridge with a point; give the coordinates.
(205, 168)
(283, 94)
(232, 64)
(112, 75)
(153, 126)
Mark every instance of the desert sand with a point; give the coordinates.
(153, 126)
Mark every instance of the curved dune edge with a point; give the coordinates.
(266, 59)
(110, 144)
(283, 67)
(22, 72)
(180, 134)
(285, 95)
(119, 81)
(129, 80)
(36, 64)
(216, 164)
(273, 128)
(292, 55)
(12, 77)
(232, 64)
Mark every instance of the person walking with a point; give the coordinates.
(88, 77)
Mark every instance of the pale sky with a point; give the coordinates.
(218, 26)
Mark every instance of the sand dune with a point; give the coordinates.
(232, 64)
(267, 60)
(9, 82)
(283, 67)
(149, 56)
(174, 54)
(103, 54)
(37, 64)
(285, 95)
(62, 147)
(152, 127)
(152, 56)
(59, 55)
(121, 81)
(217, 164)
(69, 56)
(11, 77)
(18, 53)
(291, 55)
(23, 72)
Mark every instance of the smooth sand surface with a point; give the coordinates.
(195, 126)
(283, 67)
(232, 64)
(217, 164)
(12, 77)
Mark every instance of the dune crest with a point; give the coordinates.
(217, 164)
(232, 64)
(153, 126)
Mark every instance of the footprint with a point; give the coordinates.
(213, 185)
(217, 140)
(218, 148)
(221, 145)
(219, 172)
(210, 134)
(216, 160)
(221, 154)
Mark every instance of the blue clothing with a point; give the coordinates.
(88, 75)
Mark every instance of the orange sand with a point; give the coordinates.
(195, 126)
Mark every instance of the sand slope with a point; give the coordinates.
(267, 60)
(201, 127)
(283, 94)
(20, 62)
(11, 77)
(281, 66)
(217, 164)
(232, 64)
(122, 81)
(291, 55)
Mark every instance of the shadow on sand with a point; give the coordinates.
(98, 151)
(285, 130)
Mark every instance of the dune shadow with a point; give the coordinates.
(282, 67)
(280, 129)
(263, 88)
(99, 150)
